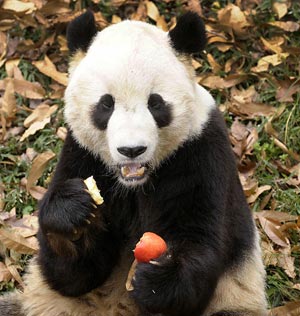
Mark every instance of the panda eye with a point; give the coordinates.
(160, 110)
(155, 101)
(107, 101)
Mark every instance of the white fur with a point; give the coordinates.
(130, 61)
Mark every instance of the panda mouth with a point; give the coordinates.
(133, 171)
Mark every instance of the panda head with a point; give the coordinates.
(131, 98)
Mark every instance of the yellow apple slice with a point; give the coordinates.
(93, 190)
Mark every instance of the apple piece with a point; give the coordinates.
(150, 246)
(93, 190)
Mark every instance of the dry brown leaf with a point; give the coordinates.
(250, 110)
(194, 5)
(272, 46)
(288, 26)
(40, 113)
(9, 103)
(62, 133)
(37, 192)
(30, 90)
(279, 217)
(5, 275)
(272, 231)
(270, 256)
(18, 6)
(216, 82)
(162, 24)
(13, 269)
(250, 185)
(152, 11)
(34, 127)
(3, 48)
(287, 262)
(251, 199)
(13, 240)
(27, 226)
(296, 286)
(48, 68)
(38, 166)
(10, 65)
(283, 147)
(216, 67)
(115, 19)
(287, 88)
(264, 63)
(280, 8)
(233, 17)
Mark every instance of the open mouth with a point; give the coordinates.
(133, 172)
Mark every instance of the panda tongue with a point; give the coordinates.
(132, 170)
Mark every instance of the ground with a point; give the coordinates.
(251, 65)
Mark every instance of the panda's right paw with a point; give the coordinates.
(69, 211)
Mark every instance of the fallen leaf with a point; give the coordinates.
(216, 82)
(290, 309)
(34, 127)
(280, 8)
(5, 275)
(37, 192)
(288, 26)
(38, 166)
(272, 231)
(13, 240)
(13, 269)
(30, 90)
(9, 103)
(233, 17)
(27, 226)
(162, 24)
(195, 6)
(48, 68)
(41, 112)
(18, 6)
(216, 67)
(62, 133)
(272, 46)
(152, 11)
(264, 63)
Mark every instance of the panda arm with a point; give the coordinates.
(77, 248)
(200, 199)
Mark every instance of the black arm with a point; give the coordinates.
(77, 248)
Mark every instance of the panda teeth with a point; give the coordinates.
(132, 171)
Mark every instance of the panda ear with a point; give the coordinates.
(189, 35)
(81, 31)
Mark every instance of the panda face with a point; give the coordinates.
(132, 102)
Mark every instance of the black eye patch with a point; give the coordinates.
(103, 111)
(160, 110)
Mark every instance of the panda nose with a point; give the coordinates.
(132, 152)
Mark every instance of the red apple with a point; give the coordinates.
(150, 246)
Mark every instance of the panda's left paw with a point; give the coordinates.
(162, 287)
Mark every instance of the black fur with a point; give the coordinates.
(189, 34)
(160, 110)
(103, 111)
(194, 200)
(81, 31)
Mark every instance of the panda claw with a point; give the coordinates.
(94, 205)
(93, 215)
(88, 222)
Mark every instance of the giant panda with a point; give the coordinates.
(157, 146)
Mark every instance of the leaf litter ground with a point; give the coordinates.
(251, 66)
